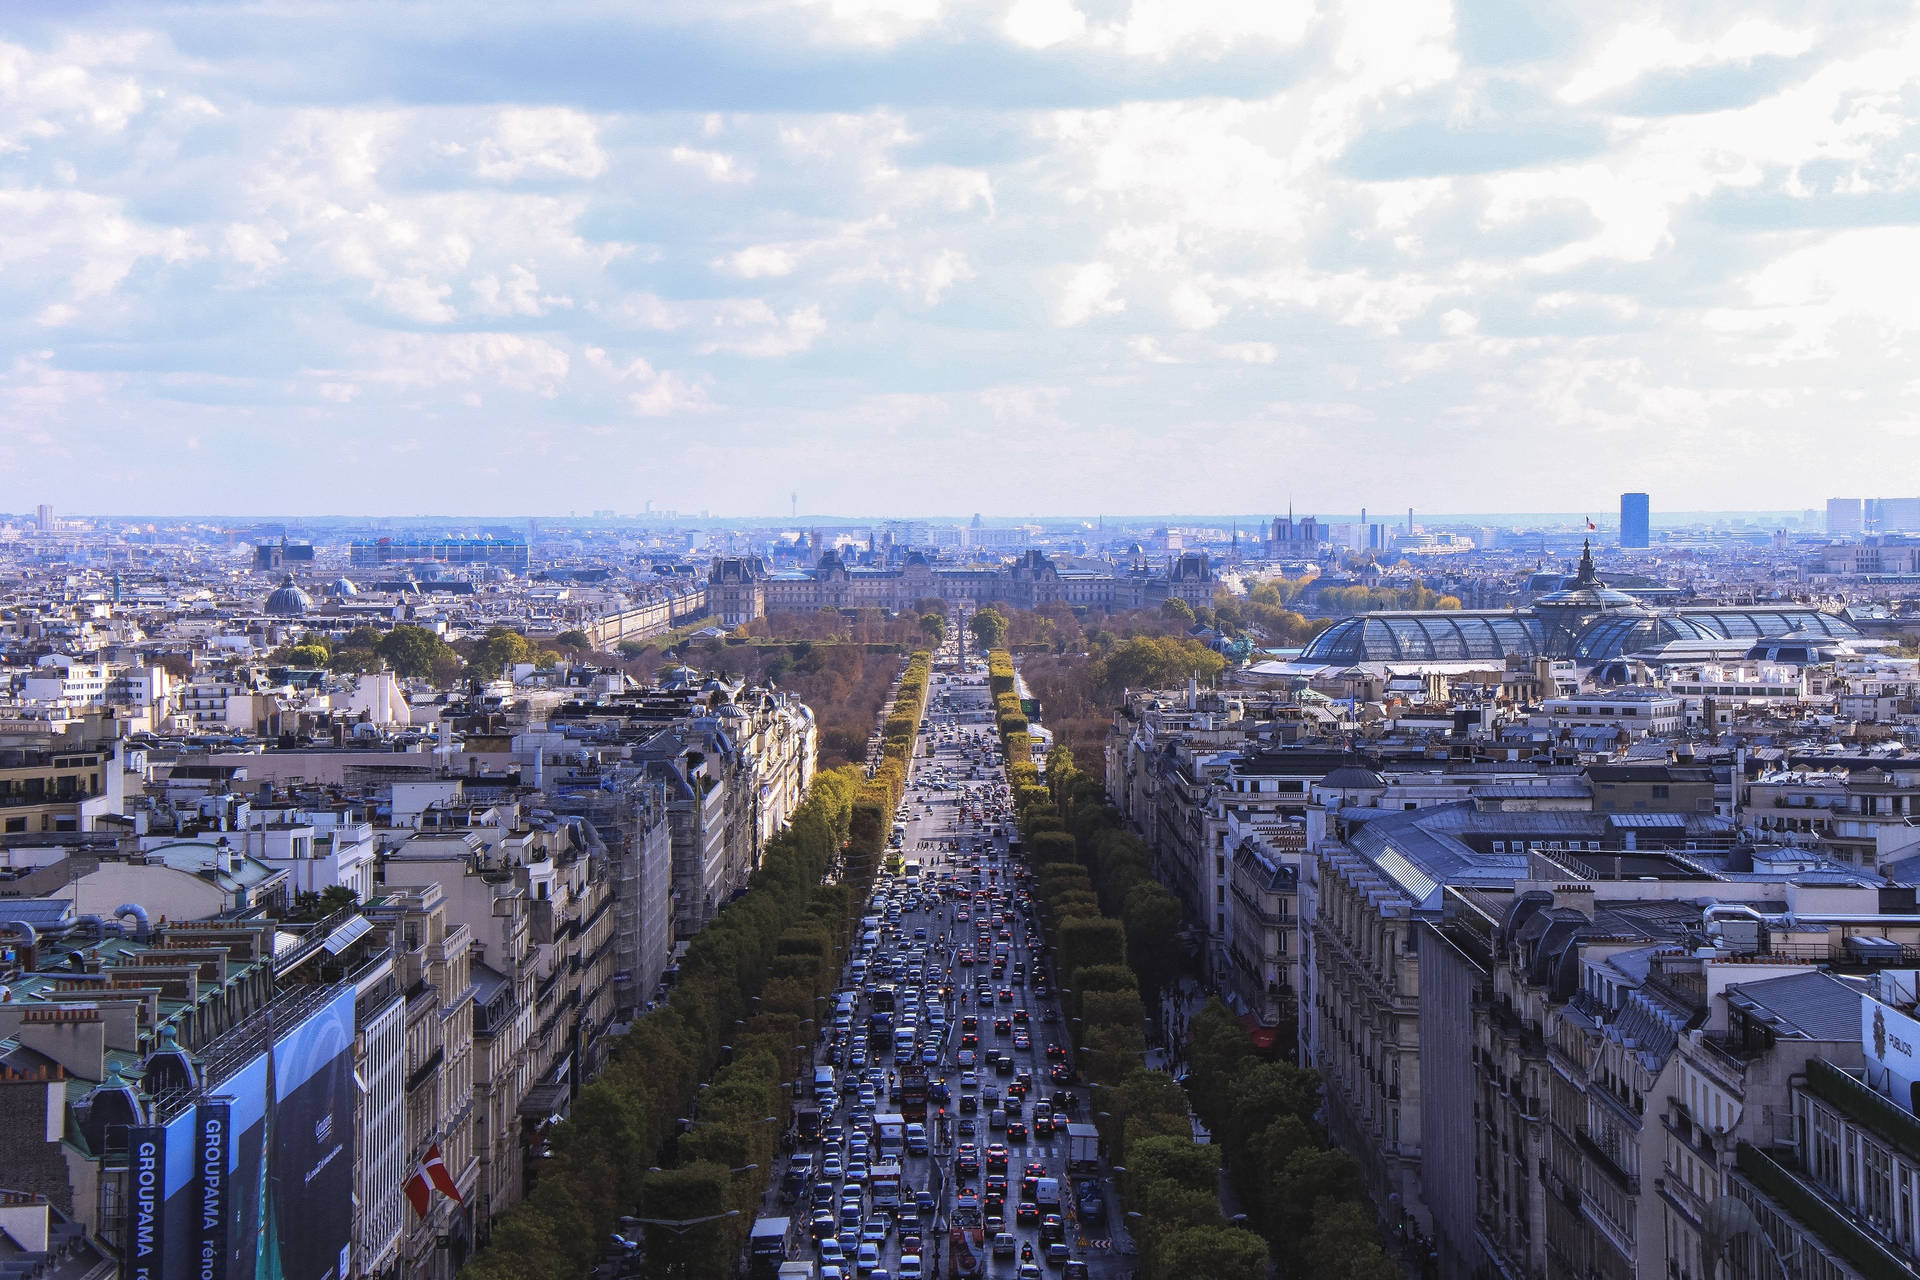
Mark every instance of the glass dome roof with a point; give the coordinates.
(1438, 636)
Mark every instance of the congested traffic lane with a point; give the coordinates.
(955, 800)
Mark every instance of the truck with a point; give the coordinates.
(1083, 1146)
(803, 1270)
(890, 1135)
(886, 1182)
(767, 1247)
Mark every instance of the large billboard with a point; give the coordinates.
(292, 1151)
(161, 1186)
(254, 1179)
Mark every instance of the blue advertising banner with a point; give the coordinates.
(216, 1183)
(146, 1203)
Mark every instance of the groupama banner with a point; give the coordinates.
(253, 1180)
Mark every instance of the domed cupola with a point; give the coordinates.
(288, 601)
(112, 1105)
(168, 1069)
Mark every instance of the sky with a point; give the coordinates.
(894, 257)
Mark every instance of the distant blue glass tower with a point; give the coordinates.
(1634, 520)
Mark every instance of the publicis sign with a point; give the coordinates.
(146, 1250)
(214, 1210)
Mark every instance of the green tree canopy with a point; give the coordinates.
(1218, 1253)
(499, 649)
(989, 629)
(417, 652)
(1154, 662)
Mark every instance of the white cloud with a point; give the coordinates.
(752, 328)
(756, 261)
(1123, 193)
(1641, 47)
(549, 142)
(1088, 292)
(718, 166)
(1040, 24)
(1192, 307)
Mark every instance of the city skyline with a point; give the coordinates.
(1140, 255)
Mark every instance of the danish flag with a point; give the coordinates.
(431, 1174)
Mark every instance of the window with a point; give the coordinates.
(1660, 792)
(1826, 1148)
(1876, 1183)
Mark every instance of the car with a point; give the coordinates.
(966, 1162)
(1028, 1271)
(1043, 1126)
(965, 1059)
(1050, 1016)
(969, 1041)
(830, 1166)
(1004, 1245)
(1021, 1040)
(867, 1260)
(822, 1225)
(1006, 995)
(997, 1158)
(1051, 1228)
(1076, 1270)
(857, 1171)
(876, 1231)
(831, 1254)
(1027, 1212)
(1016, 1131)
(909, 1268)
(1061, 1073)
(849, 1238)
(997, 1120)
(1091, 1204)
(1056, 1053)
(1057, 1253)
(1034, 1169)
(1003, 1026)
(969, 1103)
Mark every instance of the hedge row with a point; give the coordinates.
(1172, 1183)
(1304, 1198)
(881, 793)
(749, 987)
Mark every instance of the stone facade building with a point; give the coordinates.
(742, 588)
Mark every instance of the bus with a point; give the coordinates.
(767, 1247)
(913, 1095)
